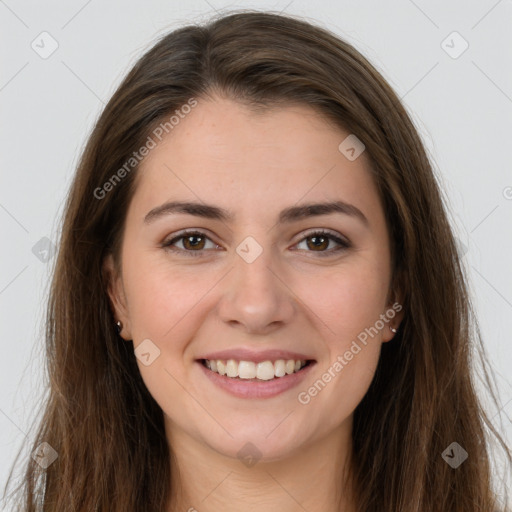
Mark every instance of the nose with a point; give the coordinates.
(255, 297)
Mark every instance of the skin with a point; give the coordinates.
(290, 297)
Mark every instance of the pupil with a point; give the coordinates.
(315, 244)
(192, 237)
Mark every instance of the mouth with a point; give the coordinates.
(256, 371)
(250, 379)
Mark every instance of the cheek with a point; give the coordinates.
(164, 305)
(347, 300)
(348, 306)
(160, 296)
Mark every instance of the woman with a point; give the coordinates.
(258, 302)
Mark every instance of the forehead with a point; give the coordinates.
(223, 153)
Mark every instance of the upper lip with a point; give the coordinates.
(243, 354)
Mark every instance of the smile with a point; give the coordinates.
(249, 379)
(249, 370)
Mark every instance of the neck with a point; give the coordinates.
(315, 477)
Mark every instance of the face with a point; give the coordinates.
(256, 278)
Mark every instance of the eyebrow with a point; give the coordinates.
(288, 215)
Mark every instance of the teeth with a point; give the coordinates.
(247, 370)
(266, 370)
(280, 367)
(231, 368)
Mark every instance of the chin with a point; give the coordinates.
(266, 441)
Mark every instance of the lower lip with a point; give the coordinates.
(257, 389)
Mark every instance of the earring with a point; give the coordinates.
(392, 329)
(119, 327)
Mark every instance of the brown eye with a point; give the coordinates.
(193, 243)
(319, 242)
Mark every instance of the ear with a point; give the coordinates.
(394, 311)
(115, 290)
(395, 314)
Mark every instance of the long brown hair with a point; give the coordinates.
(99, 417)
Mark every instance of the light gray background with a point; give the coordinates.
(462, 107)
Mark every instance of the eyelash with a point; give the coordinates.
(344, 244)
